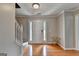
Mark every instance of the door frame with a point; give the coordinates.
(30, 30)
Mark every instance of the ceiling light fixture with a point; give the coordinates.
(35, 5)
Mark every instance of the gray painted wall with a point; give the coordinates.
(7, 30)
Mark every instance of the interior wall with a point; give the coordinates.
(76, 14)
(51, 26)
(77, 31)
(76, 28)
(65, 28)
(69, 30)
(61, 29)
(23, 21)
(7, 30)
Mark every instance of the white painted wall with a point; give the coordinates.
(77, 31)
(61, 29)
(7, 30)
(69, 30)
(65, 28)
(50, 24)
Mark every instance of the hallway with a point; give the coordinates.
(50, 50)
(42, 26)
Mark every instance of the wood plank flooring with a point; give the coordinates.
(51, 50)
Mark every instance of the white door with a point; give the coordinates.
(37, 31)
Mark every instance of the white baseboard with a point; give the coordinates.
(66, 48)
(76, 49)
(51, 43)
(70, 49)
(42, 43)
(61, 46)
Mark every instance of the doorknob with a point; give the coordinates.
(41, 30)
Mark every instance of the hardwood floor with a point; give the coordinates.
(54, 47)
(50, 50)
(63, 53)
(37, 50)
(26, 51)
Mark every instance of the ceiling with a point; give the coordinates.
(45, 8)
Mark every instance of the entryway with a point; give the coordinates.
(37, 32)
